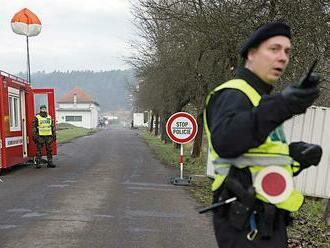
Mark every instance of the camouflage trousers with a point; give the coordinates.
(47, 141)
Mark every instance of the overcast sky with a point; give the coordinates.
(75, 35)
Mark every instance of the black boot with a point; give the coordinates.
(50, 164)
(38, 165)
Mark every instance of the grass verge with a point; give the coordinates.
(67, 132)
(308, 228)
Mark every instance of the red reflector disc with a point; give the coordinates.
(273, 184)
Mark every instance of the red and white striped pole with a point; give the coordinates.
(181, 161)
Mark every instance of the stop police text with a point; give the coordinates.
(181, 128)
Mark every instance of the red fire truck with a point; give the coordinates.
(19, 103)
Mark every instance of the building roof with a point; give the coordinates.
(82, 97)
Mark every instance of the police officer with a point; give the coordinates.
(243, 126)
(44, 134)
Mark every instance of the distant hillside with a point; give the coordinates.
(108, 88)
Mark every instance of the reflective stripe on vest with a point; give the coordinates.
(252, 160)
(44, 125)
(269, 153)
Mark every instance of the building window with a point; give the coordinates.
(73, 118)
(14, 111)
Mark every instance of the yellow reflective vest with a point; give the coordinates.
(44, 125)
(271, 152)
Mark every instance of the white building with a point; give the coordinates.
(78, 108)
(141, 119)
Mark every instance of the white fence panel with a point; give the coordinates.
(312, 127)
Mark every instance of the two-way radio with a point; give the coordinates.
(311, 79)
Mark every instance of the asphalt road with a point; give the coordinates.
(107, 190)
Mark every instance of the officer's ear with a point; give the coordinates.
(251, 54)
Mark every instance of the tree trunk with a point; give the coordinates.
(327, 213)
(162, 130)
(157, 124)
(151, 128)
(197, 147)
(163, 119)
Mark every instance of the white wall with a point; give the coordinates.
(95, 113)
(72, 105)
(312, 127)
(85, 118)
(138, 120)
(89, 113)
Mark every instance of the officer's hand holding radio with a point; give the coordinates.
(299, 98)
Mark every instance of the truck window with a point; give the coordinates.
(14, 109)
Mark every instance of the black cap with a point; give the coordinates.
(263, 33)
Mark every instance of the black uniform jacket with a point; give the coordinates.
(236, 125)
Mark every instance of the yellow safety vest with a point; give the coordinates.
(44, 125)
(269, 153)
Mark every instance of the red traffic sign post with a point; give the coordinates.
(181, 128)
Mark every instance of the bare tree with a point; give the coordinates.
(190, 46)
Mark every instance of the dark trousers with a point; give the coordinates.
(47, 141)
(229, 237)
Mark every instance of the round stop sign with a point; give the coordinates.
(181, 127)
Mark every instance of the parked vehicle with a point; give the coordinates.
(19, 103)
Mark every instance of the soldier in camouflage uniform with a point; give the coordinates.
(44, 134)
